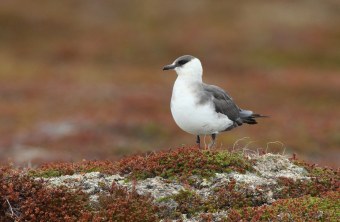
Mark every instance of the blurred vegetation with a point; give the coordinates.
(83, 79)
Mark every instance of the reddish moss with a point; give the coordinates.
(224, 198)
(324, 175)
(25, 199)
(307, 208)
(189, 203)
(121, 205)
(181, 162)
(184, 162)
(322, 180)
(30, 199)
(235, 196)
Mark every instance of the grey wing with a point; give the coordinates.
(223, 102)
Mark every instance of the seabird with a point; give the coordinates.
(202, 109)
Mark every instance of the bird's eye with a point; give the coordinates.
(182, 62)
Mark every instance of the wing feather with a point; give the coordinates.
(223, 102)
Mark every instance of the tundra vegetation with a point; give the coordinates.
(183, 184)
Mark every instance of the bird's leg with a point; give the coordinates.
(198, 141)
(212, 143)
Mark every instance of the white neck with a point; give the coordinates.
(189, 78)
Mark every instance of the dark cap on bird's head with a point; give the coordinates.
(180, 61)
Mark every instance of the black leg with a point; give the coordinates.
(198, 141)
(213, 137)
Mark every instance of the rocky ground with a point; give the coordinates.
(188, 184)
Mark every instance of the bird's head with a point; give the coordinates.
(186, 65)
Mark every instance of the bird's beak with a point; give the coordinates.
(169, 67)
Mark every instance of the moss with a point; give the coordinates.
(93, 169)
(230, 196)
(46, 174)
(185, 162)
(323, 173)
(307, 208)
(229, 161)
(322, 180)
(233, 195)
(316, 199)
(25, 199)
(179, 163)
(163, 199)
(122, 205)
(59, 169)
(103, 185)
(189, 203)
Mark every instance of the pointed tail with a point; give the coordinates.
(248, 116)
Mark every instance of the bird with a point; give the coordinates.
(202, 109)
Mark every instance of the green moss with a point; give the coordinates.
(93, 169)
(189, 203)
(46, 174)
(164, 199)
(103, 185)
(185, 162)
(228, 161)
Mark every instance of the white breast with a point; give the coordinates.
(191, 116)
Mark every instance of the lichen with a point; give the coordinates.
(186, 184)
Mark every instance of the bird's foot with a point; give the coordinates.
(211, 144)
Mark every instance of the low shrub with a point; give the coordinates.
(306, 208)
(122, 205)
(183, 162)
(25, 199)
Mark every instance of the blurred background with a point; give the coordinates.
(83, 79)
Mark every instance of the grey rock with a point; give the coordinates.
(261, 184)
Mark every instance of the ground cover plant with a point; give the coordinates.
(307, 208)
(178, 163)
(202, 185)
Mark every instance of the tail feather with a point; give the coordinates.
(255, 115)
(251, 119)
